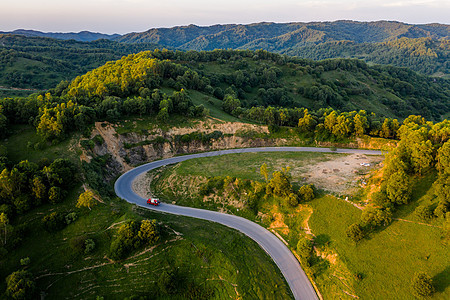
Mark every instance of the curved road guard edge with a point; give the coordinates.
(281, 255)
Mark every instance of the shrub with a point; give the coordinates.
(25, 261)
(304, 247)
(20, 285)
(422, 285)
(167, 282)
(77, 244)
(89, 245)
(53, 222)
(355, 232)
(424, 212)
(71, 217)
(292, 200)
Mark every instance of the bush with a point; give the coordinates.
(306, 192)
(77, 244)
(89, 245)
(71, 217)
(53, 222)
(304, 247)
(424, 212)
(167, 282)
(292, 200)
(355, 232)
(422, 285)
(25, 261)
(20, 285)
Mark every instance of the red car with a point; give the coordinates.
(153, 201)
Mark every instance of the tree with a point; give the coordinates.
(20, 285)
(86, 199)
(304, 247)
(264, 172)
(38, 188)
(4, 221)
(148, 233)
(306, 192)
(422, 285)
(360, 121)
(230, 104)
(292, 199)
(443, 158)
(373, 216)
(424, 212)
(355, 232)
(398, 188)
(307, 122)
(54, 194)
(280, 184)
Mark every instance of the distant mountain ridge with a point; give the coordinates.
(82, 36)
(279, 37)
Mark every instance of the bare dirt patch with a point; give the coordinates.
(343, 174)
(141, 185)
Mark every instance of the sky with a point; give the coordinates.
(123, 16)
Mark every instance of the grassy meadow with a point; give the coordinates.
(380, 266)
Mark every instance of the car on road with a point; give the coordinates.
(153, 201)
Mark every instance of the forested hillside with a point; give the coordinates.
(41, 63)
(423, 55)
(280, 36)
(257, 86)
(82, 36)
(34, 61)
(423, 48)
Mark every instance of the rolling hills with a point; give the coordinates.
(280, 36)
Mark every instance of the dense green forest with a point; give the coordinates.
(36, 61)
(423, 55)
(82, 36)
(277, 37)
(254, 85)
(41, 63)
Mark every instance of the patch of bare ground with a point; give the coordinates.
(305, 222)
(340, 175)
(278, 223)
(141, 185)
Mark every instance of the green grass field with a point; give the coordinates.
(205, 255)
(22, 145)
(379, 267)
(209, 260)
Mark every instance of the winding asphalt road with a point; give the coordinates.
(281, 255)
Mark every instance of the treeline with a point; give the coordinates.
(424, 147)
(323, 124)
(54, 118)
(423, 55)
(55, 60)
(26, 185)
(131, 85)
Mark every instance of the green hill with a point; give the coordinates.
(259, 78)
(41, 63)
(282, 35)
(423, 55)
(423, 48)
(82, 36)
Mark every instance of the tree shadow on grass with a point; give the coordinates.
(442, 280)
(420, 189)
